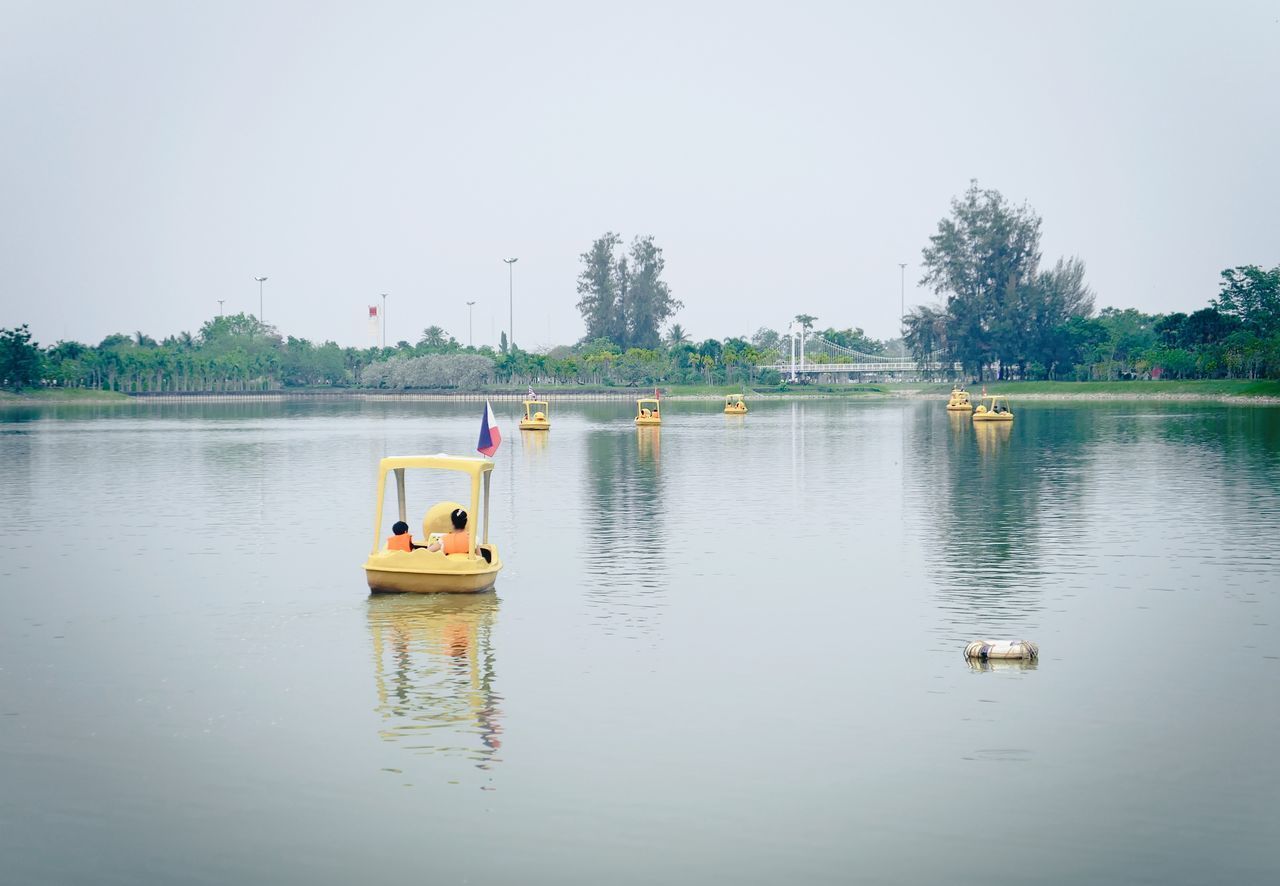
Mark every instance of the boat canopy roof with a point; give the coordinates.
(644, 400)
(528, 403)
(470, 465)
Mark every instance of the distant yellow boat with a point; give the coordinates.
(647, 412)
(417, 570)
(535, 416)
(734, 404)
(993, 408)
(960, 400)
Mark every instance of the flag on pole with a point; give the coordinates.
(490, 437)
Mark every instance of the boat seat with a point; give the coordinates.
(437, 519)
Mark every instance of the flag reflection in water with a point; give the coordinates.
(434, 670)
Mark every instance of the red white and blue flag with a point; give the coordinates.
(490, 437)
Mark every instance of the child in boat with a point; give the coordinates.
(454, 542)
(400, 539)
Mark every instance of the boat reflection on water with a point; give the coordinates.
(533, 443)
(993, 437)
(434, 671)
(649, 446)
(989, 665)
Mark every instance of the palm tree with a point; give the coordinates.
(926, 333)
(433, 337)
(676, 335)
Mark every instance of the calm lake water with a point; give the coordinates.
(725, 651)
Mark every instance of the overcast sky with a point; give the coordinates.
(786, 156)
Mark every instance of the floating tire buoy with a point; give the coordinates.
(1002, 650)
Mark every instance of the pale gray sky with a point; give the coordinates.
(786, 156)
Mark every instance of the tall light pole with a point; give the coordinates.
(260, 280)
(220, 301)
(471, 340)
(902, 309)
(511, 312)
(384, 321)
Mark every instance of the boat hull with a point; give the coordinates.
(428, 572)
(961, 408)
(730, 411)
(993, 416)
(648, 422)
(532, 425)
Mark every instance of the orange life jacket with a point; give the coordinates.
(400, 543)
(455, 543)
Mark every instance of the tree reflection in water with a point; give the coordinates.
(434, 668)
(1007, 498)
(625, 535)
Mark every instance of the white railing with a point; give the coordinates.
(813, 355)
(893, 365)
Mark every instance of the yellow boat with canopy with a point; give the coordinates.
(735, 404)
(960, 400)
(535, 416)
(420, 571)
(993, 408)
(647, 412)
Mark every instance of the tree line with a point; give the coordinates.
(622, 295)
(231, 353)
(238, 353)
(1000, 315)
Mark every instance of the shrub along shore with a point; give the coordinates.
(1263, 392)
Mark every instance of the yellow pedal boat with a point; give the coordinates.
(647, 411)
(535, 416)
(960, 400)
(993, 408)
(419, 571)
(734, 404)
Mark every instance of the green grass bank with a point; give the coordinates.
(1206, 389)
(61, 395)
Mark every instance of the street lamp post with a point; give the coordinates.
(260, 280)
(471, 339)
(220, 301)
(384, 321)
(902, 305)
(511, 313)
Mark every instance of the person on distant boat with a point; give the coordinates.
(454, 542)
(400, 539)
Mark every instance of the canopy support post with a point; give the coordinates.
(486, 508)
(471, 518)
(400, 493)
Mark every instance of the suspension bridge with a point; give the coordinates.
(815, 355)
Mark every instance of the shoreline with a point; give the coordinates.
(19, 400)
